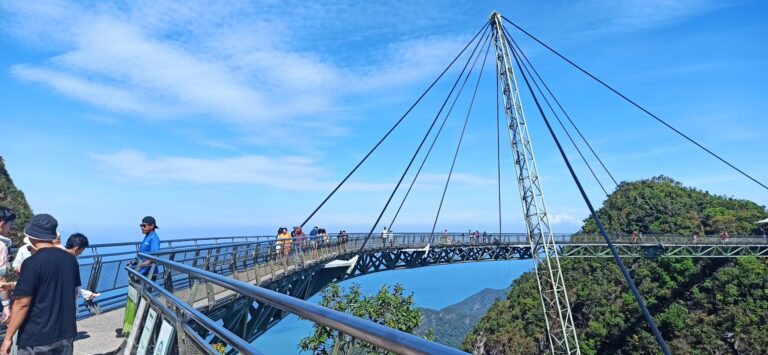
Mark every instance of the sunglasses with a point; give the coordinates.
(144, 225)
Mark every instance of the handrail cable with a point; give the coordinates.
(429, 151)
(543, 96)
(461, 138)
(614, 252)
(393, 127)
(421, 144)
(636, 105)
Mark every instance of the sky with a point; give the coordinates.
(241, 117)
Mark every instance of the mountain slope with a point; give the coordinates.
(706, 306)
(453, 322)
(14, 199)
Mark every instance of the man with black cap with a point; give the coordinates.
(44, 296)
(150, 244)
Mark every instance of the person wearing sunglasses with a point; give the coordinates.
(150, 244)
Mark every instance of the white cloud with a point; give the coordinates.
(607, 16)
(283, 172)
(563, 218)
(240, 63)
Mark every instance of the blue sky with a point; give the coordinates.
(240, 118)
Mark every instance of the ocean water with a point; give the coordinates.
(432, 287)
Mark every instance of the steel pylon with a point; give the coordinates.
(561, 332)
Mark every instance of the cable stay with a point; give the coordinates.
(614, 252)
(560, 106)
(498, 145)
(554, 113)
(432, 145)
(641, 108)
(484, 27)
(421, 144)
(458, 145)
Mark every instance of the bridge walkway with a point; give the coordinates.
(263, 263)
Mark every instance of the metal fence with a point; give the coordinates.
(184, 314)
(103, 268)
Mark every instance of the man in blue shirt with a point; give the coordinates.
(150, 244)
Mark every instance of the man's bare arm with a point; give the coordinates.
(18, 314)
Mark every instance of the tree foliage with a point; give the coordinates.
(663, 205)
(390, 306)
(706, 306)
(13, 198)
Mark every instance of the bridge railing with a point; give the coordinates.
(103, 268)
(201, 330)
(667, 239)
(262, 257)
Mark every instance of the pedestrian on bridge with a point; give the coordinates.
(150, 244)
(300, 238)
(76, 244)
(44, 296)
(7, 221)
(384, 235)
(284, 241)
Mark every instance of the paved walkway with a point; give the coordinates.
(98, 334)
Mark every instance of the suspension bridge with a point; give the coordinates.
(230, 291)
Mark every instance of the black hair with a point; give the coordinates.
(77, 240)
(6, 215)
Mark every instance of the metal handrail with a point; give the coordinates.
(371, 332)
(230, 338)
(104, 272)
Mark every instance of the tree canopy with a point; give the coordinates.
(706, 306)
(390, 306)
(13, 198)
(663, 205)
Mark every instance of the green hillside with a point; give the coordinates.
(706, 306)
(452, 323)
(14, 199)
(663, 205)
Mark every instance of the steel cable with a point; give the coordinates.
(485, 26)
(637, 105)
(614, 252)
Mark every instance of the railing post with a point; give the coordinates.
(193, 292)
(93, 281)
(166, 273)
(233, 263)
(181, 335)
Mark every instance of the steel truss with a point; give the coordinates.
(561, 330)
(251, 319)
(666, 251)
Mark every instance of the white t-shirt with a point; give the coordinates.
(21, 255)
(5, 243)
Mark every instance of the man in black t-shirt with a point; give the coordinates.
(44, 297)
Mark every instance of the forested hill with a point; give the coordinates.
(13, 198)
(663, 205)
(450, 324)
(707, 306)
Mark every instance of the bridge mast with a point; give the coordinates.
(561, 331)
